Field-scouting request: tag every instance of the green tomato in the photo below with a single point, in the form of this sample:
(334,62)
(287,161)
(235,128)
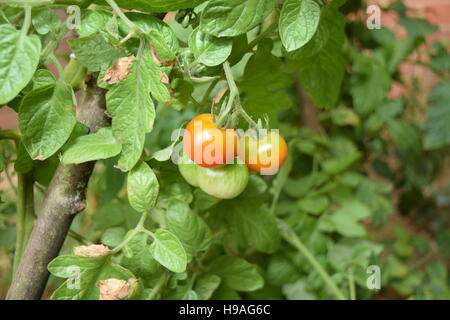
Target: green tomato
(188,170)
(224,182)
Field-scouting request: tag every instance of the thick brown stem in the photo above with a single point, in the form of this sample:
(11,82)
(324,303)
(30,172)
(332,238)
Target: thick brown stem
(65,196)
(307,108)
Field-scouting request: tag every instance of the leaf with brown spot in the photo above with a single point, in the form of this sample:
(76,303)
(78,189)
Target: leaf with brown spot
(92,251)
(119,70)
(115,289)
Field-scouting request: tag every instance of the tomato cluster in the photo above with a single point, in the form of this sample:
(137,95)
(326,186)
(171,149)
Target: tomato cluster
(209,157)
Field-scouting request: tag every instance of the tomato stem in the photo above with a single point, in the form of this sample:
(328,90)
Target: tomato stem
(291,237)
(133,28)
(26,22)
(233,100)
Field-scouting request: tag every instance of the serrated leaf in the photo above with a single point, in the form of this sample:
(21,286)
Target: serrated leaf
(93,51)
(93,21)
(168,251)
(209,50)
(20,57)
(100,145)
(189,228)
(230,18)
(237,273)
(142,187)
(132,110)
(46,119)
(298,23)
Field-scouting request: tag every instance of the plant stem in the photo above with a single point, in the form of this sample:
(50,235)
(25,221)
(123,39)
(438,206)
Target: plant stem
(133,29)
(64,198)
(159,285)
(25,214)
(290,236)
(208,91)
(351,284)
(53,44)
(10,135)
(26,22)
(139,228)
(261,36)
(58,66)
(78,237)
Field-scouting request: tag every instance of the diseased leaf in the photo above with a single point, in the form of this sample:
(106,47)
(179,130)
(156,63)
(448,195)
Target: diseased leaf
(142,187)
(82,274)
(100,145)
(298,23)
(209,50)
(168,251)
(230,18)
(93,51)
(19,59)
(132,110)
(46,119)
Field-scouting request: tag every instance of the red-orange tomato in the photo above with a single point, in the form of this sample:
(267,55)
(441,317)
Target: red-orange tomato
(264,155)
(207,145)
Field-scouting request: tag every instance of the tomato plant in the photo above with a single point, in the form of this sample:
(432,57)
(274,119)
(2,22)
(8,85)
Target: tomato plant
(101,187)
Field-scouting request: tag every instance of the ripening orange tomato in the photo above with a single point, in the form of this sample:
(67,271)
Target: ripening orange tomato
(264,154)
(208,145)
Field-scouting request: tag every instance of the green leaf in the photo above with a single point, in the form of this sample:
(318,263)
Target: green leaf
(93,21)
(230,18)
(251,223)
(83,273)
(297,291)
(100,145)
(370,80)
(265,82)
(141,262)
(346,219)
(321,61)
(437,126)
(45,20)
(46,119)
(2,162)
(237,273)
(205,285)
(158,5)
(20,57)
(314,204)
(209,50)
(142,187)
(298,23)
(93,51)
(43,77)
(132,110)
(112,237)
(162,37)
(189,228)
(168,251)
